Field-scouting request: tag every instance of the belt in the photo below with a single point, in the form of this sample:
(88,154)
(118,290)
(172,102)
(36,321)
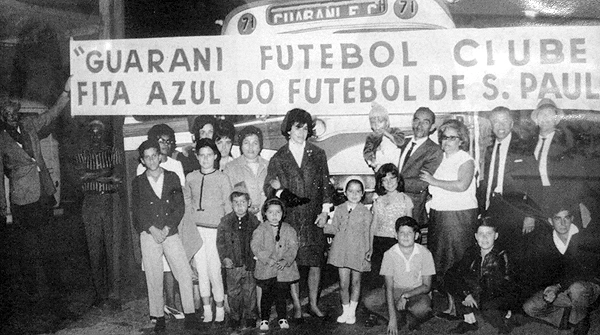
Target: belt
(101,192)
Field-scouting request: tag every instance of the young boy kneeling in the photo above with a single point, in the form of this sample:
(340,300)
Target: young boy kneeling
(481,280)
(234,235)
(408,269)
(158,208)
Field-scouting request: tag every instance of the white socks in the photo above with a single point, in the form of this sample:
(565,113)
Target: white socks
(342,318)
(470,318)
(348,313)
(208,316)
(351,319)
(220,314)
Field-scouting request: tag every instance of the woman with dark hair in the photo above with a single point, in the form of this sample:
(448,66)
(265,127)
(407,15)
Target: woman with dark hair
(298,175)
(453,204)
(224,135)
(250,168)
(203,127)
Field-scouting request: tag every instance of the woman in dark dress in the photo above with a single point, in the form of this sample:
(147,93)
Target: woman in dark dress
(298,174)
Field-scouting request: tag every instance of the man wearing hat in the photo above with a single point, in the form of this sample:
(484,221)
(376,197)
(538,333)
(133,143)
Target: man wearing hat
(560,170)
(31,187)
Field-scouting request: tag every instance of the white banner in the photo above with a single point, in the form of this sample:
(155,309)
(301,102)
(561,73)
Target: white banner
(446,70)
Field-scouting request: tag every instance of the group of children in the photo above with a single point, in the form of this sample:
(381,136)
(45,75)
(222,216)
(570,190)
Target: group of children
(262,254)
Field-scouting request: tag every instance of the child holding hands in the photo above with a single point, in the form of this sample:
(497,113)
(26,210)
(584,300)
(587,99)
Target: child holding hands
(351,246)
(275,245)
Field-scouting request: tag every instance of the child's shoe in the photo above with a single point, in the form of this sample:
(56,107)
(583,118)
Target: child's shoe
(344,317)
(351,316)
(220,314)
(208,315)
(283,324)
(264,325)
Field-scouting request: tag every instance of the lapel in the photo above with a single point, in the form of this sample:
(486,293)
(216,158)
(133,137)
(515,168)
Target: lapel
(290,157)
(416,155)
(19,156)
(148,188)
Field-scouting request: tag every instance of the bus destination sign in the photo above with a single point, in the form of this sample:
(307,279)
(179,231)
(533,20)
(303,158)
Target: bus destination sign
(323,10)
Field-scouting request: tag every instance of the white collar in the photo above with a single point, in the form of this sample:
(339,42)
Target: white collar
(562,247)
(504,140)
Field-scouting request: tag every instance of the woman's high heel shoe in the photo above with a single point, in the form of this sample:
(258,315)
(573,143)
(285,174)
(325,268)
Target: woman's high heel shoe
(172,312)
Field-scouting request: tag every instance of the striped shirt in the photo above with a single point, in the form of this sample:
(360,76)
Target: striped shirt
(94,161)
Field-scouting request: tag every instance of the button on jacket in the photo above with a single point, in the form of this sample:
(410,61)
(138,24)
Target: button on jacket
(150,210)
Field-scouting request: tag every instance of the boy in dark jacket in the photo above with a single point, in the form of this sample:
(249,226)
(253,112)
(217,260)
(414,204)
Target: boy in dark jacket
(562,275)
(158,207)
(233,243)
(482,280)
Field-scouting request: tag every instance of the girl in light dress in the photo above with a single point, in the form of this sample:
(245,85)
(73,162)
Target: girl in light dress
(351,247)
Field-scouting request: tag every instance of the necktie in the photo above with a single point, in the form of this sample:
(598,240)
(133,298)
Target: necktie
(412,145)
(539,153)
(496,168)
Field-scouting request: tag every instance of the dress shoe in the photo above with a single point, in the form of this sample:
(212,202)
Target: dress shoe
(283,324)
(172,312)
(464,327)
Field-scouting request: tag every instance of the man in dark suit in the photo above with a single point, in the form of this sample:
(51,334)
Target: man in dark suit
(561,172)
(31,187)
(420,154)
(502,194)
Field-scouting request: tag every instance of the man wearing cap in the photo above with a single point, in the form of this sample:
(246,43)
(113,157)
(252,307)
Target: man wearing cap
(419,154)
(31,187)
(561,273)
(560,171)
(100,168)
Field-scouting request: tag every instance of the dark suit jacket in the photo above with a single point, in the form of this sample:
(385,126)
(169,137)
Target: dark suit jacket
(311,180)
(426,157)
(566,172)
(150,210)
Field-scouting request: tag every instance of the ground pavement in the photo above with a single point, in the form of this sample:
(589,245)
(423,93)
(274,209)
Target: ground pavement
(72,313)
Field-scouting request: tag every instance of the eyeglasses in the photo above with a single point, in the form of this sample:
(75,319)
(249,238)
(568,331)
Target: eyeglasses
(163,141)
(449,138)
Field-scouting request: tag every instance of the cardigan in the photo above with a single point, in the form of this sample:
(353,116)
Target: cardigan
(150,210)
(265,248)
(239,171)
(213,190)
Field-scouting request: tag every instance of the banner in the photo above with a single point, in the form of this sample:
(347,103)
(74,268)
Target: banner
(452,70)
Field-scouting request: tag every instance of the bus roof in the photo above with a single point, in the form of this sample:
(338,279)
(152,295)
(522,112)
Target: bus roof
(269,17)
